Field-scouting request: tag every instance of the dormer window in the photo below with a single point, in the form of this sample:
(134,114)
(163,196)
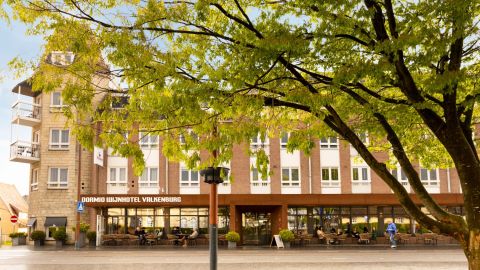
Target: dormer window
(61,58)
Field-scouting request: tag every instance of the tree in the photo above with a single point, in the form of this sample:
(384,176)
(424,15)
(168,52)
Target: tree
(403,71)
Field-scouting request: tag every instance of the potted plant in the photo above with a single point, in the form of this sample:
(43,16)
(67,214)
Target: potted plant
(92,238)
(287,236)
(18,238)
(232,238)
(38,238)
(60,235)
(83,231)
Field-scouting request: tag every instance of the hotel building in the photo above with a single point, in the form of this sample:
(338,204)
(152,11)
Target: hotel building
(328,188)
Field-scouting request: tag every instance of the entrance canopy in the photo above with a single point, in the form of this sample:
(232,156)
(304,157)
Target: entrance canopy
(56,221)
(31,222)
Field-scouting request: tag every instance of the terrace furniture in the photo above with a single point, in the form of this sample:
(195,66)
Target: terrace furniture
(364,238)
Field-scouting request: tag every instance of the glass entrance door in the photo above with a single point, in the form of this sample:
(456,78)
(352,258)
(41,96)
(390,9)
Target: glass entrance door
(256,228)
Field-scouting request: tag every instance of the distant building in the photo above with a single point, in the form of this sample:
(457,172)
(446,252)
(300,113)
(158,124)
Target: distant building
(12,203)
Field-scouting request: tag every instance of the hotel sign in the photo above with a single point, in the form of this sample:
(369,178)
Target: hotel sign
(93,200)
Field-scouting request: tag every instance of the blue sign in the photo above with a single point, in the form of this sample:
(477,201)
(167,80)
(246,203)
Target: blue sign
(80,207)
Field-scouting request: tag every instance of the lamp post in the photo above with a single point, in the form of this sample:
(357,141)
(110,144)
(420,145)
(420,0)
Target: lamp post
(213,176)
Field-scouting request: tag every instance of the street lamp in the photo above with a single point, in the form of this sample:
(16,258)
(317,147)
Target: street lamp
(213,176)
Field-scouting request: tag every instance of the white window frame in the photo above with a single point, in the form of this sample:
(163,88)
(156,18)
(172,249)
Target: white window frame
(191,133)
(256,179)
(287,178)
(147,179)
(330,182)
(34,181)
(259,142)
(148,141)
(189,181)
(363,174)
(400,175)
(285,136)
(52,105)
(57,183)
(59,145)
(117,180)
(329,143)
(429,181)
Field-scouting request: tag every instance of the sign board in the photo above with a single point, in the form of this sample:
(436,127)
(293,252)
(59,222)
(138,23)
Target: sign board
(14,219)
(277,241)
(98,156)
(80,207)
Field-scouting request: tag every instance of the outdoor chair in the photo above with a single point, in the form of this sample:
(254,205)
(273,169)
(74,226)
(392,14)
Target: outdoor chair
(364,238)
(341,238)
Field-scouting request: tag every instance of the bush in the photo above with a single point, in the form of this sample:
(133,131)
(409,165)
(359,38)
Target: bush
(232,236)
(60,234)
(83,227)
(38,235)
(92,236)
(17,234)
(286,235)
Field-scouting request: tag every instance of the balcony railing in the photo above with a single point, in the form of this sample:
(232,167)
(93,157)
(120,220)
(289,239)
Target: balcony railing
(27,152)
(26,113)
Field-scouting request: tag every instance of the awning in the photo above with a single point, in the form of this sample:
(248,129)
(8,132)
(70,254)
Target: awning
(56,221)
(31,222)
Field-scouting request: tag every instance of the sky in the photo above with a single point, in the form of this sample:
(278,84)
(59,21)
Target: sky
(13,43)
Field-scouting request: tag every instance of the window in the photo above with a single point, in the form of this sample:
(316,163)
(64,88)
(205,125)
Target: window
(330,177)
(190,136)
(59,139)
(258,179)
(330,142)
(56,100)
(284,140)
(364,138)
(117,177)
(148,140)
(149,177)
(58,178)
(360,174)
(189,178)
(34,182)
(119,101)
(290,177)
(399,174)
(259,141)
(429,177)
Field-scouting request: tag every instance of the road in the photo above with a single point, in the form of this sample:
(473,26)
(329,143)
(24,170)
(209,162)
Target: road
(26,258)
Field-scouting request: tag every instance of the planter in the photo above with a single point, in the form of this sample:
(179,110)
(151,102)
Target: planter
(81,239)
(59,243)
(232,244)
(92,243)
(18,241)
(38,243)
(286,244)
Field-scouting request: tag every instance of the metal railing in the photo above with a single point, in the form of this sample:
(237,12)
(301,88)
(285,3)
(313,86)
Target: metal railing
(25,150)
(25,109)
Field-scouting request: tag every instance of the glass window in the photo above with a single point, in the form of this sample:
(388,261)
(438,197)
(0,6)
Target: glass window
(58,178)
(59,139)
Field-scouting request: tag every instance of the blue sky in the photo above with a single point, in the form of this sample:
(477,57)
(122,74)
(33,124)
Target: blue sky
(13,43)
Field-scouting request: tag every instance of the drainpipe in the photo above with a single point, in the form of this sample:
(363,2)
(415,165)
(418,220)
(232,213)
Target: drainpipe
(166,175)
(310,173)
(448,180)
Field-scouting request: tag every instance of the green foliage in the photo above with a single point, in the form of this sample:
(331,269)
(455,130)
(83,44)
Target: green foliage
(83,227)
(60,234)
(232,236)
(286,235)
(92,236)
(38,235)
(17,234)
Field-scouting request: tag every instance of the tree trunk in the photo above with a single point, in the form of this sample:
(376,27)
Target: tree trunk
(472,251)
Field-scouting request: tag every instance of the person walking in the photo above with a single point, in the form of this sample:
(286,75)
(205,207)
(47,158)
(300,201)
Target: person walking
(391,230)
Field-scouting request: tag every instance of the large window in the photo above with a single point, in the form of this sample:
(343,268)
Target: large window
(148,140)
(58,177)
(56,100)
(259,141)
(290,177)
(429,177)
(117,177)
(360,174)
(330,177)
(257,179)
(189,178)
(400,175)
(34,182)
(149,177)
(59,139)
(284,140)
(330,142)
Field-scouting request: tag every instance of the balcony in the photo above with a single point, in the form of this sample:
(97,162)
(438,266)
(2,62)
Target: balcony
(25,152)
(25,113)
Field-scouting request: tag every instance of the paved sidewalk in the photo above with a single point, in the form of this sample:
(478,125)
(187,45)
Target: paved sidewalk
(27,258)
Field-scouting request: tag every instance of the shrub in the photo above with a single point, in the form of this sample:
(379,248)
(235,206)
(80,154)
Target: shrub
(92,236)
(232,236)
(83,227)
(17,234)
(286,235)
(38,235)
(60,234)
